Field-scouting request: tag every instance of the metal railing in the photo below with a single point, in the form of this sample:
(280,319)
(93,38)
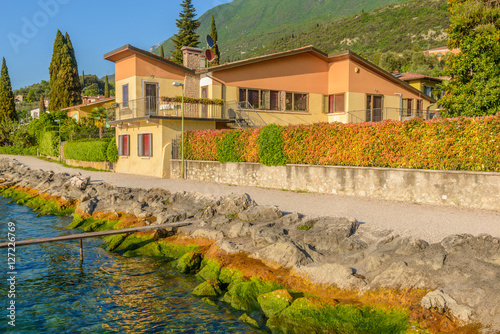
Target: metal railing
(244,114)
(382,114)
(154,106)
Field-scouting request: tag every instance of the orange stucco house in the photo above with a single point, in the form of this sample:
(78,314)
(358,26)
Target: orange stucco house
(301,86)
(79,111)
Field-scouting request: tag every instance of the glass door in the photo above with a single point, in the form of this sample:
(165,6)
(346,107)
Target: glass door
(150,99)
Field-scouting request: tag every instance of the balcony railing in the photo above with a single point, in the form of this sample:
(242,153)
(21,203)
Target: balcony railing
(382,114)
(154,106)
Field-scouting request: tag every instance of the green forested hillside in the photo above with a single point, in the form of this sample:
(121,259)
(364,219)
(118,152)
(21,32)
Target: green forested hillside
(254,27)
(252,23)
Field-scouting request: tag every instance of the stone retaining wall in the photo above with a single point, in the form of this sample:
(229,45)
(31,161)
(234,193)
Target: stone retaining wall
(101,165)
(458,188)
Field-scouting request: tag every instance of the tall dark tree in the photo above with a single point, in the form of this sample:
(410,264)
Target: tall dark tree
(65,88)
(187,26)
(162,53)
(41,105)
(83,79)
(7,103)
(106,87)
(215,49)
(474,89)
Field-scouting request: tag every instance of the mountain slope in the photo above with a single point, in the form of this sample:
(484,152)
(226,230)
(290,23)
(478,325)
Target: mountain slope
(252,20)
(249,28)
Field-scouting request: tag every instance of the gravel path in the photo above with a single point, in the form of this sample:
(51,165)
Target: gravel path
(431,223)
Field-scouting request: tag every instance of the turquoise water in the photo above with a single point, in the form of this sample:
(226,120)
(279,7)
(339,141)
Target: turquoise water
(54,293)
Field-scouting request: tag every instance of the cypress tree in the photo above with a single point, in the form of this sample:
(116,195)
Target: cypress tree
(162,53)
(7,103)
(187,26)
(41,105)
(215,49)
(83,80)
(106,87)
(65,89)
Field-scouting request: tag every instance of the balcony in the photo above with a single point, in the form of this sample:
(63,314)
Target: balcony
(382,114)
(154,106)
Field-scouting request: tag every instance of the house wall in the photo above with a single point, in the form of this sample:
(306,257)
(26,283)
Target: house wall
(302,73)
(158,164)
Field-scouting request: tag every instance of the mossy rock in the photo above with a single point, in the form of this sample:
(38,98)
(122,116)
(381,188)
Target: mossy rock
(113,241)
(133,242)
(312,316)
(44,207)
(210,302)
(244,294)
(207,289)
(187,263)
(274,302)
(230,276)
(210,271)
(162,249)
(249,320)
(77,221)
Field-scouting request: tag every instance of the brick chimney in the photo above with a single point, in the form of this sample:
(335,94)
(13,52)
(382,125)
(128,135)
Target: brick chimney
(191,57)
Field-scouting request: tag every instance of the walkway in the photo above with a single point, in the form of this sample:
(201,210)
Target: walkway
(431,223)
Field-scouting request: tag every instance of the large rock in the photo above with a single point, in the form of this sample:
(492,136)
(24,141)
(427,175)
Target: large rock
(332,274)
(260,213)
(88,206)
(286,254)
(327,233)
(441,301)
(234,204)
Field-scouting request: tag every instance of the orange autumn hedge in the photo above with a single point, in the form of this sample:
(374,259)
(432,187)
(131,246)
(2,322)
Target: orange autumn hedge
(451,144)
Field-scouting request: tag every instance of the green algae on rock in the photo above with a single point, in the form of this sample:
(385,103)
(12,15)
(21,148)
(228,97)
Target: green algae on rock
(187,263)
(307,315)
(249,320)
(44,207)
(207,289)
(274,302)
(243,295)
(210,271)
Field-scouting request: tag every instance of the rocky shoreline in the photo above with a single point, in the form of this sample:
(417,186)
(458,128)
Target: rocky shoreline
(444,286)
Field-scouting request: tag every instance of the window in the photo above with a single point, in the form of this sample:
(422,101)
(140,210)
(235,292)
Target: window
(125,95)
(124,145)
(144,144)
(274,100)
(428,90)
(336,103)
(374,108)
(420,104)
(253,98)
(296,101)
(407,107)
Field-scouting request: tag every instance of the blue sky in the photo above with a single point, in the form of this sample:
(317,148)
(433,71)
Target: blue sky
(28,29)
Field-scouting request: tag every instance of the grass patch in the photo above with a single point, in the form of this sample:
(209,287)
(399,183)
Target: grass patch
(304,227)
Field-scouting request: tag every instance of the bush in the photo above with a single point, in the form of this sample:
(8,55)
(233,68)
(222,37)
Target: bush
(446,144)
(49,143)
(87,150)
(229,147)
(271,146)
(18,151)
(112,151)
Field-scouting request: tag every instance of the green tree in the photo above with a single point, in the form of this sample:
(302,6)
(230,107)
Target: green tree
(162,53)
(99,115)
(475,86)
(106,87)
(30,96)
(65,89)
(187,26)
(215,49)
(7,103)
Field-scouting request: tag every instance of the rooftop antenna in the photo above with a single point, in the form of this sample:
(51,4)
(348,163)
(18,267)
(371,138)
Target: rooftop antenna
(209,54)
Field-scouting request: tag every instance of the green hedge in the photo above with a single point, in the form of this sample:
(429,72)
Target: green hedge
(447,144)
(87,150)
(49,143)
(17,150)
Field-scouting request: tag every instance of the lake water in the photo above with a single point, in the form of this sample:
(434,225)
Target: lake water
(54,293)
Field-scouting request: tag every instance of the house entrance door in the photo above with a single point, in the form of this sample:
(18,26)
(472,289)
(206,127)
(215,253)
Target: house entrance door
(204,107)
(150,99)
(377,108)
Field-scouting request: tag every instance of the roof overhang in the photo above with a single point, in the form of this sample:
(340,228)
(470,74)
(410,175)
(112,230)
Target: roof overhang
(129,50)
